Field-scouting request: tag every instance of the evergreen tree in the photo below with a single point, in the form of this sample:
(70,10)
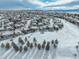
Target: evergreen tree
(21,41)
(47,47)
(43,46)
(78,43)
(77,47)
(7,45)
(34,39)
(20,48)
(75,55)
(28,43)
(31,45)
(25,39)
(52,41)
(55,46)
(2,45)
(56,41)
(39,46)
(15,46)
(35,44)
(25,48)
(48,43)
(44,42)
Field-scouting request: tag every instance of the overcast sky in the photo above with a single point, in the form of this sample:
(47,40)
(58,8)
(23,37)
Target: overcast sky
(40,4)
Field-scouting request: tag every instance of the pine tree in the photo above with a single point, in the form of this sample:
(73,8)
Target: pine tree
(35,44)
(21,41)
(43,46)
(48,43)
(25,39)
(20,48)
(77,47)
(56,41)
(15,46)
(55,46)
(39,46)
(44,42)
(75,55)
(7,45)
(28,43)
(31,45)
(2,45)
(52,41)
(78,43)
(34,39)
(47,47)
(25,48)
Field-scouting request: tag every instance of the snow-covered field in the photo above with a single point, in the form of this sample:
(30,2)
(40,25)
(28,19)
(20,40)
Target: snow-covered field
(68,38)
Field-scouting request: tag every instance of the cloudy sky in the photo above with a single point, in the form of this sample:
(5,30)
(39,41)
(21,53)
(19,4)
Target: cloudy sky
(40,4)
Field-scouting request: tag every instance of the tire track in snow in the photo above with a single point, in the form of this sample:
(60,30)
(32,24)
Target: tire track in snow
(41,53)
(33,55)
(15,55)
(7,53)
(28,57)
(11,54)
(2,51)
(26,54)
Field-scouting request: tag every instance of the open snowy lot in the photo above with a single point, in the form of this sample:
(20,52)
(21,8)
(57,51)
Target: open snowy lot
(66,48)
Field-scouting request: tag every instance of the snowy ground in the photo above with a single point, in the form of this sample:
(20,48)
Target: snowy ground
(68,38)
